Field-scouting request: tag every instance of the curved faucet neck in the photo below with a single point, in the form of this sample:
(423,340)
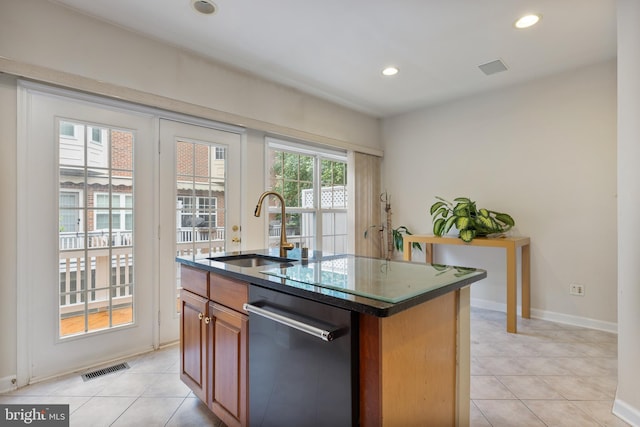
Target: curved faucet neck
(284,245)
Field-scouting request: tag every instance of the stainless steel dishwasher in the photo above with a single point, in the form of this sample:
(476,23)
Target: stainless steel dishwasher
(303,362)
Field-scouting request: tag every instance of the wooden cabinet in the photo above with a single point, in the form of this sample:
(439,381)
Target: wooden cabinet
(193,342)
(229,371)
(214,342)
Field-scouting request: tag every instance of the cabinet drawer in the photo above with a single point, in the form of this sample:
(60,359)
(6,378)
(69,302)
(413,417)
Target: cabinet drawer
(229,292)
(194,280)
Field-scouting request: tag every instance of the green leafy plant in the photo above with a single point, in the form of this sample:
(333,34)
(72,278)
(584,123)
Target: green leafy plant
(397,235)
(470,221)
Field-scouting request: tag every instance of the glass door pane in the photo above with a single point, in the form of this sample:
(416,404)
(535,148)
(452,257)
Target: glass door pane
(96,202)
(200,195)
(199,204)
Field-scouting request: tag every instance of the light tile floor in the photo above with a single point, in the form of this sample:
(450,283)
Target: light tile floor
(548,374)
(148,394)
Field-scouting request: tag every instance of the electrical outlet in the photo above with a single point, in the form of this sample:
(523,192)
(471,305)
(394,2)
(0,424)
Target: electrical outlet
(576,289)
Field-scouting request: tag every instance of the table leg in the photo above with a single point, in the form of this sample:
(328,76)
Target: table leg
(512,294)
(526,282)
(406,251)
(428,253)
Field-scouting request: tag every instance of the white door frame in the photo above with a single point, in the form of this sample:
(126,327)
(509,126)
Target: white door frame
(172,130)
(47,354)
(24,257)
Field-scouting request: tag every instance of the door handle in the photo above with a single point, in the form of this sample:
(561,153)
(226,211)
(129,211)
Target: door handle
(292,323)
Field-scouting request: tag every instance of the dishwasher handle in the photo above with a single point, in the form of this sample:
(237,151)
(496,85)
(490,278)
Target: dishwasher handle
(292,323)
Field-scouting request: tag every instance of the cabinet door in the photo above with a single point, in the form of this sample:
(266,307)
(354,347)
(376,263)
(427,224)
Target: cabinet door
(229,379)
(193,342)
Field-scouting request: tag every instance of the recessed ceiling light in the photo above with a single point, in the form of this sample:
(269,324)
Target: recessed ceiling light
(527,21)
(390,71)
(206,7)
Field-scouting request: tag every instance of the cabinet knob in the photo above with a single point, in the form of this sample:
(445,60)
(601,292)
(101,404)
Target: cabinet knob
(207,320)
(200,316)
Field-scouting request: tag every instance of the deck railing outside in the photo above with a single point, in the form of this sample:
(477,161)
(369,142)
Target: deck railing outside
(72,265)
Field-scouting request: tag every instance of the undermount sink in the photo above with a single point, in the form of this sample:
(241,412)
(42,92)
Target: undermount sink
(253,260)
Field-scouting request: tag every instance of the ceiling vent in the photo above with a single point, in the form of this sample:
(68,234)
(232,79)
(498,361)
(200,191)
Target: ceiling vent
(493,67)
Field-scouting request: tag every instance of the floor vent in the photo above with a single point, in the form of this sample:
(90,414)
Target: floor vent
(104,371)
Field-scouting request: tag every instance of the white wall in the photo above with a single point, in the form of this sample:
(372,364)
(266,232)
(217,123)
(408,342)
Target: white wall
(545,152)
(627,404)
(43,34)
(8,237)
(50,43)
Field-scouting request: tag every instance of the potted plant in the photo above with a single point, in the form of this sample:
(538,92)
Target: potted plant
(395,239)
(396,236)
(470,221)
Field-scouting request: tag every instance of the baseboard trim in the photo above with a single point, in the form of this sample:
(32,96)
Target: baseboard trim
(626,412)
(551,316)
(8,384)
(91,366)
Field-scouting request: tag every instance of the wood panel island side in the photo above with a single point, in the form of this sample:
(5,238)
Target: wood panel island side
(410,334)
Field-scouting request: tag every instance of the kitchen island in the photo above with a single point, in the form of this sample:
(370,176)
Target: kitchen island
(404,329)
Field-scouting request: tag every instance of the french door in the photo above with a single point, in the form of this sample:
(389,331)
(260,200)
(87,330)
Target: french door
(103,211)
(199,204)
(87,249)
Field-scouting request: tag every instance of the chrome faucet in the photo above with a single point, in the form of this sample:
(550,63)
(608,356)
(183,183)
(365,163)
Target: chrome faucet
(284,245)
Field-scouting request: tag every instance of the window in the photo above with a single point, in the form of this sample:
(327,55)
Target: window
(313,183)
(69,214)
(120,219)
(202,213)
(95,199)
(67,129)
(200,202)
(96,135)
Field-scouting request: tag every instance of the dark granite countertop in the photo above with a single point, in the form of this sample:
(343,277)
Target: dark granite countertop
(365,285)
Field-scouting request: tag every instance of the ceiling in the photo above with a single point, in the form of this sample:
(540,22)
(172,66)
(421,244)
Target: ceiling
(336,49)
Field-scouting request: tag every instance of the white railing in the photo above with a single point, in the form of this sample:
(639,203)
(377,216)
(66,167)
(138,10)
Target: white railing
(96,280)
(100,239)
(199,250)
(95,239)
(274,230)
(189,234)
(73,264)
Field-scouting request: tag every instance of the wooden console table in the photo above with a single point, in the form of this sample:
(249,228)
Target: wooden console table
(510,244)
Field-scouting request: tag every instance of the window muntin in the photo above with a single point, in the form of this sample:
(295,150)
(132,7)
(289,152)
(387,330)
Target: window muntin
(314,185)
(202,213)
(96,202)
(200,199)
(121,219)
